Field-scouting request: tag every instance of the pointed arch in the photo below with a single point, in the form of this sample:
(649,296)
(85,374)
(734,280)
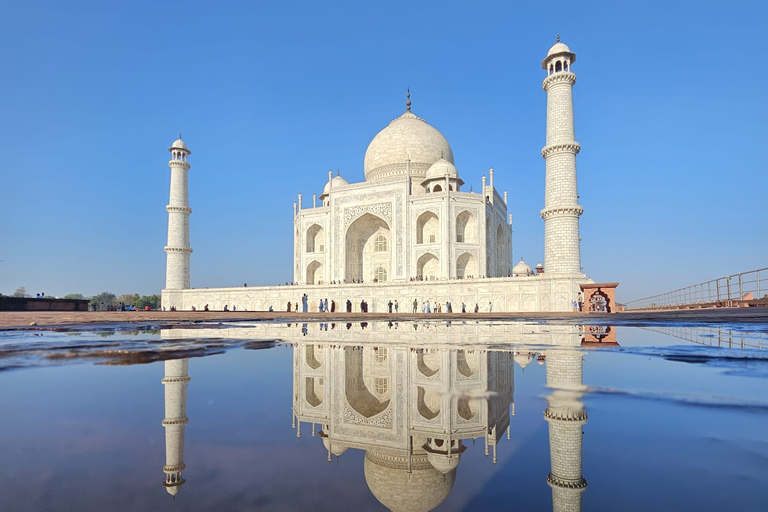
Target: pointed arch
(466,228)
(428,266)
(466,266)
(368,248)
(428,228)
(315,272)
(315,238)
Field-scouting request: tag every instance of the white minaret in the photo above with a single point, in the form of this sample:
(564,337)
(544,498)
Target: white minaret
(562,252)
(566,417)
(178,250)
(175,382)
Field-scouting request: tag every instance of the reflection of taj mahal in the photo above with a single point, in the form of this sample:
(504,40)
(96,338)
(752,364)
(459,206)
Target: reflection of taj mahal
(412,219)
(410,399)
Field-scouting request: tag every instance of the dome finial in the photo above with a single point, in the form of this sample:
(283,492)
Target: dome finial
(408,100)
(558,38)
(337,171)
(179,135)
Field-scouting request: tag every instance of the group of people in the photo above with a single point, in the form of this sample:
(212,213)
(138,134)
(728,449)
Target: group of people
(436,307)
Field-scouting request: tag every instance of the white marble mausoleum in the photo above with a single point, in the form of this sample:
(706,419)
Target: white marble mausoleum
(410,230)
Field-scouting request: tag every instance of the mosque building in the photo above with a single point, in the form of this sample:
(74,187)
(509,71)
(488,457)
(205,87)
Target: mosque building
(411,230)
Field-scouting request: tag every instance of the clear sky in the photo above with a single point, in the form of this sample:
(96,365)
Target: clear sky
(670,109)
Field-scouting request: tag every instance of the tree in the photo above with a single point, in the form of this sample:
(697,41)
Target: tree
(74,296)
(20,292)
(103,300)
(128,298)
(153,301)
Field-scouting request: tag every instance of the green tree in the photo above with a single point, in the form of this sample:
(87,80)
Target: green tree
(128,298)
(153,301)
(21,291)
(74,296)
(103,300)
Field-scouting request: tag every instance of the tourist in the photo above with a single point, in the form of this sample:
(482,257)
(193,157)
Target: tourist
(397,307)
(477,308)
(333,306)
(295,307)
(362,306)
(304,303)
(490,306)
(429,307)
(226,308)
(434,307)
(349,306)
(415,305)
(390,304)
(325,305)
(146,308)
(270,308)
(234,307)
(448,307)
(245,285)
(439,308)
(288,308)
(463,307)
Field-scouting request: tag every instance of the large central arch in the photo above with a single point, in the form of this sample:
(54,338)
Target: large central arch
(368,246)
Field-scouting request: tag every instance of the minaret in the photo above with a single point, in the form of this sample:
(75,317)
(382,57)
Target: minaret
(566,417)
(562,252)
(178,250)
(175,422)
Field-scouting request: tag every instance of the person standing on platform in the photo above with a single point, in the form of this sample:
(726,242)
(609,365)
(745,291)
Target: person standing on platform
(490,306)
(389,304)
(415,305)
(477,308)
(397,308)
(304,303)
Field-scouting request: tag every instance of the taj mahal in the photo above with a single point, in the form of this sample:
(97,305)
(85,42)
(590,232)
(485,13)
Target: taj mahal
(410,230)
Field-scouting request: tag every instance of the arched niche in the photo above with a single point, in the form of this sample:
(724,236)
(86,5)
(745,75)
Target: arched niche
(315,238)
(428,364)
(428,266)
(315,390)
(315,273)
(466,363)
(467,407)
(466,228)
(428,402)
(315,356)
(428,228)
(368,246)
(366,391)
(500,251)
(466,266)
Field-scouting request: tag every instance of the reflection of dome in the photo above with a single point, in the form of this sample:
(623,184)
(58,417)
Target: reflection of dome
(422,490)
(336,449)
(407,136)
(521,268)
(173,489)
(440,169)
(524,359)
(336,183)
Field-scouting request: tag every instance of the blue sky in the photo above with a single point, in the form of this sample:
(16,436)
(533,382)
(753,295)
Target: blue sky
(670,112)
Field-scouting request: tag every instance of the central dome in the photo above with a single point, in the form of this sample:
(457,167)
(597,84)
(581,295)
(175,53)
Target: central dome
(407,136)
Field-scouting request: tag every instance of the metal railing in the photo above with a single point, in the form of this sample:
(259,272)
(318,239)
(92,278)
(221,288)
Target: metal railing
(716,336)
(721,292)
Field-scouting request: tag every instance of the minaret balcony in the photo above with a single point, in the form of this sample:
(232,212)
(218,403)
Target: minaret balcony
(178,209)
(568,147)
(559,78)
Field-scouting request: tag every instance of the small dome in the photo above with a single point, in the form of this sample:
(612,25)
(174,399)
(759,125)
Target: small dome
(558,47)
(336,182)
(521,268)
(539,265)
(179,144)
(524,359)
(406,137)
(439,169)
(336,448)
(443,462)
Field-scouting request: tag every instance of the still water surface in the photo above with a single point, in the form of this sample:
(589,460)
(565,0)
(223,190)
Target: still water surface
(406,417)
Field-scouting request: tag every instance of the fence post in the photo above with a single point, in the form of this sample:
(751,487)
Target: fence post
(741,289)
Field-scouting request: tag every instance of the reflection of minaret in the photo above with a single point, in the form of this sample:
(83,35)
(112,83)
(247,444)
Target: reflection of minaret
(566,416)
(175,422)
